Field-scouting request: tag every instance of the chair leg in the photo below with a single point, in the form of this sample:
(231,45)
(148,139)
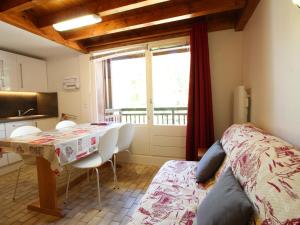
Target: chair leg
(113,166)
(17,182)
(115,162)
(88,175)
(92,175)
(68,184)
(98,187)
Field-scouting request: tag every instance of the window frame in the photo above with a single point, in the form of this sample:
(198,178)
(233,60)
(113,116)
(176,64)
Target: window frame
(152,45)
(149,85)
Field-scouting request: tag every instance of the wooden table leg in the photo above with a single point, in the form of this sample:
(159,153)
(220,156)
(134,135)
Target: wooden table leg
(47,190)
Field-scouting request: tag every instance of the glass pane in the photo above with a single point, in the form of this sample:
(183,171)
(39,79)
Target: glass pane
(128,84)
(170,74)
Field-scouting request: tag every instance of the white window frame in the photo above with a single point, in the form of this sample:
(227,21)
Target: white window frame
(148,57)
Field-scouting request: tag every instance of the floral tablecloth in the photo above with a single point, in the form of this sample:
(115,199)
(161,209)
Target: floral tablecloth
(59,147)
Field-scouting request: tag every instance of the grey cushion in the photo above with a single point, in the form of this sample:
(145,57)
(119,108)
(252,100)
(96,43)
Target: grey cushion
(225,204)
(210,162)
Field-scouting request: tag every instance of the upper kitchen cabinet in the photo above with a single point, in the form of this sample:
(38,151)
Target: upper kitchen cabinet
(22,73)
(33,74)
(10,79)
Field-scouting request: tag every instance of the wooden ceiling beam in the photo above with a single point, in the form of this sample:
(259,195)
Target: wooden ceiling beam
(73,12)
(160,32)
(154,16)
(134,37)
(15,5)
(24,23)
(137,41)
(7,6)
(246,14)
(114,7)
(101,7)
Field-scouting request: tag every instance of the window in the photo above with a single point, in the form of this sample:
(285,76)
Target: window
(148,86)
(128,88)
(170,81)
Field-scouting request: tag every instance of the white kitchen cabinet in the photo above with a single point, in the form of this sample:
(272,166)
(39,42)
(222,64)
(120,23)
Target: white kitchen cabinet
(10,79)
(2,133)
(13,158)
(46,124)
(3,160)
(5,131)
(9,127)
(2,127)
(33,74)
(3,157)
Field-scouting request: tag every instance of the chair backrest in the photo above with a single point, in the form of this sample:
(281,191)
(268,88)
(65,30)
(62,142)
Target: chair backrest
(108,144)
(24,130)
(65,124)
(126,133)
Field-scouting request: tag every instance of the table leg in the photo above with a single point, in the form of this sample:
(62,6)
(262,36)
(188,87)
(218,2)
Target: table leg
(47,190)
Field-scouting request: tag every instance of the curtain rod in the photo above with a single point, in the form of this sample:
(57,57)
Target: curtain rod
(170,47)
(117,53)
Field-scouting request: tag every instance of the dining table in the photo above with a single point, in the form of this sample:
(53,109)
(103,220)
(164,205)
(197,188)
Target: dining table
(54,150)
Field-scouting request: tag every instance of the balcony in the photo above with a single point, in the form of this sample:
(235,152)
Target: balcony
(161,115)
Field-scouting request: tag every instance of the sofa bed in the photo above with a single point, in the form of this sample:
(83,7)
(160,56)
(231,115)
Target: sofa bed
(266,167)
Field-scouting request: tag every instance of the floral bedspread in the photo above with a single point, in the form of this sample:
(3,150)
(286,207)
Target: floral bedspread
(268,169)
(172,197)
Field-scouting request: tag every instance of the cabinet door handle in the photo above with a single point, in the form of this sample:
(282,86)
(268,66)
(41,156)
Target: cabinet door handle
(21,75)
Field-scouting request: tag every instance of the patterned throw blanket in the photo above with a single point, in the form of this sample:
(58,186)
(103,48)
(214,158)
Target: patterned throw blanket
(267,167)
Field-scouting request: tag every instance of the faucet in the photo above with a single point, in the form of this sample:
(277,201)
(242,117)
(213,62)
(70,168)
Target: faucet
(24,113)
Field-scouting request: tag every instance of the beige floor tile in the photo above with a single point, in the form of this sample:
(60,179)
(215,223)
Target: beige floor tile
(82,208)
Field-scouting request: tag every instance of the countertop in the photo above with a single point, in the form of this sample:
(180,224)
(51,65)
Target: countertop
(21,118)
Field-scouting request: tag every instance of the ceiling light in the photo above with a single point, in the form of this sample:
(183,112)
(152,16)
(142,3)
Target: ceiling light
(77,22)
(296,2)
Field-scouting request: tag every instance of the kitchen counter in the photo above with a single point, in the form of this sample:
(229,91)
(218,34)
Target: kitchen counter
(22,118)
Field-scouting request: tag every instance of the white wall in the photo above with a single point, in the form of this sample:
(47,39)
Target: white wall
(72,102)
(225,49)
(271,67)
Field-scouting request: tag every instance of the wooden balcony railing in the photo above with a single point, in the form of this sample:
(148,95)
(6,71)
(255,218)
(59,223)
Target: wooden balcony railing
(161,115)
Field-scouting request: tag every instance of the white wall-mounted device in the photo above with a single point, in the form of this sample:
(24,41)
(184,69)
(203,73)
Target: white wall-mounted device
(71,83)
(241,105)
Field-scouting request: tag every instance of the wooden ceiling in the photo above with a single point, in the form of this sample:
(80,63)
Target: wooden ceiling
(124,22)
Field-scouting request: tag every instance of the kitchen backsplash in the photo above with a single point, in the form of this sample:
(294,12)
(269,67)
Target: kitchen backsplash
(42,103)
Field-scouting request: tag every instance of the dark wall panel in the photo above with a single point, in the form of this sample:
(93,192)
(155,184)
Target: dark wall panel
(47,104)
(11,102)
(42,103)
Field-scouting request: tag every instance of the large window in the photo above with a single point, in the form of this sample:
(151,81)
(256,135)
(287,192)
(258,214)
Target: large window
(149,87)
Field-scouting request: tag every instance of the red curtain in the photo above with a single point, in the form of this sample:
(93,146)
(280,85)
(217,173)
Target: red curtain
(200,126)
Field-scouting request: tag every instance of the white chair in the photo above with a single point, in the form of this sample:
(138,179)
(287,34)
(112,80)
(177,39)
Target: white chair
(65,124)
(106,148)
(27,160)
(126,134)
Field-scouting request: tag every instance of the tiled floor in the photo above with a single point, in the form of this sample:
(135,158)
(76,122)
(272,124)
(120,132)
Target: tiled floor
(118,205)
